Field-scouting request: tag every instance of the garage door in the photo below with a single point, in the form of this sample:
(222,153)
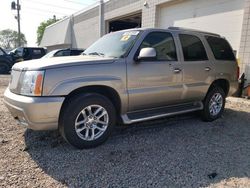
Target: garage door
(224,17)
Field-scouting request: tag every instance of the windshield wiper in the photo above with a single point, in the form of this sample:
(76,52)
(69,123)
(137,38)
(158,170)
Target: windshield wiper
(96,53)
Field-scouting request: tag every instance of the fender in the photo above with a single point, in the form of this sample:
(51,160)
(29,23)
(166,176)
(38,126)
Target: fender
(65,87)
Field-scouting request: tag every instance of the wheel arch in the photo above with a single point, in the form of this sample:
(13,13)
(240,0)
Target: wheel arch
(222,83)
(106,91)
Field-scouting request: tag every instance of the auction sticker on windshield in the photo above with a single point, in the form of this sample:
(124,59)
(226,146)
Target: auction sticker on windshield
(126,36)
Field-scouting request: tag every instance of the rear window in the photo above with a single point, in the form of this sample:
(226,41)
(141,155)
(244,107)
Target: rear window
(220,48)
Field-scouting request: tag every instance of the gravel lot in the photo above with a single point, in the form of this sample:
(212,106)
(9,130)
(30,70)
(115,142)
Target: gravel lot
(181,151)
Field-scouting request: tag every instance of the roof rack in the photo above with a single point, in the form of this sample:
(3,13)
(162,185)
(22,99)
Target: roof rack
(194,30)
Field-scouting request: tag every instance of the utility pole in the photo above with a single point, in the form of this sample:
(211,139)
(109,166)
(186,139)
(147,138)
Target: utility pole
(18,22)
(17,6)
(101,18)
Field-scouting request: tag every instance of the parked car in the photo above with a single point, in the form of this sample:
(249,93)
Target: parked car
(6,62)
(126,76)
(27,53)
(63,52)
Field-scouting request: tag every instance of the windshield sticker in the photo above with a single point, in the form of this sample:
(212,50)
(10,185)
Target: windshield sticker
(125,38)
(131,33)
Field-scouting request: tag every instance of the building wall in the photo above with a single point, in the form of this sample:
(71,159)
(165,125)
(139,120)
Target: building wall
(216,16)
(60,46)
(85,33)
(245,42)
(213,15)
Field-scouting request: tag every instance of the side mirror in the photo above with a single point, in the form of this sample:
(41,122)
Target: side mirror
(147,54)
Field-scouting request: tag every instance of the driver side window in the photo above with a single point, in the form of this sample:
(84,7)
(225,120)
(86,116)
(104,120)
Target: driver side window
(163,43)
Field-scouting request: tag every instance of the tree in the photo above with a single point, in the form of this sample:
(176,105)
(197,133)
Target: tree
(9,39)
(42,27)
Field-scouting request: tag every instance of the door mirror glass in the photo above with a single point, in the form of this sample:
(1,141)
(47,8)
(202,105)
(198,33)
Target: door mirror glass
(147,54)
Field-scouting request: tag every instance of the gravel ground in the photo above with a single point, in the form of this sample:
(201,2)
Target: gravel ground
(181,151)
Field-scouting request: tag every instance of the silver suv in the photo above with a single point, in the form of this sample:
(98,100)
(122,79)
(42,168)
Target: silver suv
(127,76)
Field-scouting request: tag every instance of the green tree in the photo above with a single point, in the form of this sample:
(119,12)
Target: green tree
(9,39)
(42,27)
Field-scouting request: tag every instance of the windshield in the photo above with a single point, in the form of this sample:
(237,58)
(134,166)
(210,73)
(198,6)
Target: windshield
(114,45)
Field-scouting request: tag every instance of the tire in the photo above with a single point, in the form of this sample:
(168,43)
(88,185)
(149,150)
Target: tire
(4,68)
(214,104)
(77,124)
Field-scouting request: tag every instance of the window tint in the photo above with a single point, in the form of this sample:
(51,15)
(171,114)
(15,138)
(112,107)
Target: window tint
(192,47)
(221,48)
(63,53)
(76,52)
(163,44)
(37,52)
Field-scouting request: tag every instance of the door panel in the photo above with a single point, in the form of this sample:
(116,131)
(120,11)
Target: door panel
(196,67)
(155,83)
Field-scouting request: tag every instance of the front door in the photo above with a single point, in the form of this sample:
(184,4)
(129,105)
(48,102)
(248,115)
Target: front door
(158,82)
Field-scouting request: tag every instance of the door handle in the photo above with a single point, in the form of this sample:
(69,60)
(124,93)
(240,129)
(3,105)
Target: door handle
(207,69)
(177,70)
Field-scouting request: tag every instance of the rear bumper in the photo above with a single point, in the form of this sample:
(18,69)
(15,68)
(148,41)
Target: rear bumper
(234,86)
(37,113)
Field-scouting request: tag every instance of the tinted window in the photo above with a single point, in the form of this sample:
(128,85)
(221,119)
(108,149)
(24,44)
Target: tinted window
(163,44)
(63,53)
(37,51)
(192,47)
(76,52)
(221,48)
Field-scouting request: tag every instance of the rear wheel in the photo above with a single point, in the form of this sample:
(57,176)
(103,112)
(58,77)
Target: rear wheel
(214,104)
(87,121)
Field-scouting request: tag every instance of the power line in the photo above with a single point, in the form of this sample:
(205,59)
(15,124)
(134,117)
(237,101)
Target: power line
(52,5)
(39,13)
(42,10)
(76,2)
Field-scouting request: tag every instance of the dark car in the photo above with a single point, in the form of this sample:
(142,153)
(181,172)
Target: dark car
(27,53)
(6,62)
(63,52)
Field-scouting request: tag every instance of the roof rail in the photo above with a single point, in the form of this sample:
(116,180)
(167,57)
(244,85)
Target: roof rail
(194,30)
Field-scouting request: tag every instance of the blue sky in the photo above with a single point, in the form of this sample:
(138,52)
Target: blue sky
(33,12)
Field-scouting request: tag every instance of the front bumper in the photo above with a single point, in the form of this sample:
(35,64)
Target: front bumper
(37,113)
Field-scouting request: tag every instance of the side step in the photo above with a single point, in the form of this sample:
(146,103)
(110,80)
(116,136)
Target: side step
(138,116)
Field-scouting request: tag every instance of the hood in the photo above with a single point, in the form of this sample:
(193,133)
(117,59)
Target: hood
(56,62)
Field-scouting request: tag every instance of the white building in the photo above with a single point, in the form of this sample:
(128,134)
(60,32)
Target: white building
(229,18)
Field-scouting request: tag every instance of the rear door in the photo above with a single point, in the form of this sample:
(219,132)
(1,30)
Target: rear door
(196,67)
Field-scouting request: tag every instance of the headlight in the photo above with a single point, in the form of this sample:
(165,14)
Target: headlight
(32,83)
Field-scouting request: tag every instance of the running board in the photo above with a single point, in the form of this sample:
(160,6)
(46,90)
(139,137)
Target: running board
(138,116)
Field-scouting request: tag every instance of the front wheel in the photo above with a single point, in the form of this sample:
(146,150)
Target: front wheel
(87,121)
(214,104)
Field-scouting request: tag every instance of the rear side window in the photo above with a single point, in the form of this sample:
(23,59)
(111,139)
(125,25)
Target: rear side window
(76,52)
(220,48)
(37,51)
(192,47)
(62,53)
(163,43)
